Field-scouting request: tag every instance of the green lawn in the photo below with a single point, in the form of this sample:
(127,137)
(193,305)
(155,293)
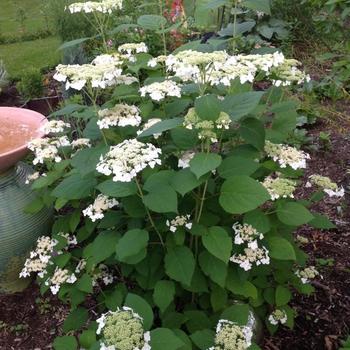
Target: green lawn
(30,54)
(35,19)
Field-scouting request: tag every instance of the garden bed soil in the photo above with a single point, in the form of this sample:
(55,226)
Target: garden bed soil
(323,319)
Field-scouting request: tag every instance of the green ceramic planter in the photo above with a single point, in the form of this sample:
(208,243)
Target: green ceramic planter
(18,230)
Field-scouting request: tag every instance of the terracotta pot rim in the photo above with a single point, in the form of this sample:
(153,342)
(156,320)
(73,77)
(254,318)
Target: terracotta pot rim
(32,114)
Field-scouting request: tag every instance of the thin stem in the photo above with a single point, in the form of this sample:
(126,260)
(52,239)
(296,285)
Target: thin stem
(234,27)
(149,214)
(162,27)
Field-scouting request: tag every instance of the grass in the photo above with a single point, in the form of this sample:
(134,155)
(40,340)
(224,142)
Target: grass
(39,54)
(9,16)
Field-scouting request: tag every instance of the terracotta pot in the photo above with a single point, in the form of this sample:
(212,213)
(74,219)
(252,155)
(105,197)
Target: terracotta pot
(18,230)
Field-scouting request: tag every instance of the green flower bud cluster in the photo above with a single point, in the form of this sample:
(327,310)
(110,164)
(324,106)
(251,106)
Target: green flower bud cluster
(279,187)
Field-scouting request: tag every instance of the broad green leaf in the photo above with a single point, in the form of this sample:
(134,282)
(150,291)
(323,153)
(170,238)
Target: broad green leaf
(67,110)
(151,22)
(283,295)
(203,163)
(71,43)
(281,249)
(75,320)
(258,5)
(183,138)
(203,338)
(213,268)
(293,214)
(75,187)
(240,105)
(241,194)
(87,338)
(180,264)
(241,28)
(117,189)
(115,298)
(163,177)
(163,295)
(104,246)
(162,126)
(184,181)
(164,338)
(161,199)
(196,320)
(239,286)
(235,165)
(141,307)
(253,132)
(65,343)
(86,160)
(258,219)
(207,107)
(131,244)
(321,222)
(236,313)
(218,298)
(218,243)
(85,283)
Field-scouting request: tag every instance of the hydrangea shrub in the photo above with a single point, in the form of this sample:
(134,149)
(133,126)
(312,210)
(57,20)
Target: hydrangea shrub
(175,200)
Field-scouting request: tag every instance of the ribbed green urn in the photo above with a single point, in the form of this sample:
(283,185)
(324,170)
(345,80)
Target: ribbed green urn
(18,229)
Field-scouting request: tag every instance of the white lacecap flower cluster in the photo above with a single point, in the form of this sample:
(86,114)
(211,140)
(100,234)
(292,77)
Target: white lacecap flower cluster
(103,274)
(252,254)
(122,330)
(179,221)
(104,6)
(130,49)
(59,277)
(230,336)
(279,187)
(278,316)
(47,149)
(185,158)
(326,184)
(120,115)
(157,60)
(101,204)
(218,67)
(307,274)
(104,71)
(39,258)
(125,160)
(159,90)
(55,127)
(285,155)
(81,143)
(148,124)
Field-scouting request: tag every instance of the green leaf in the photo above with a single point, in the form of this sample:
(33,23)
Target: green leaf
(131,244)
(84,283)
(240,105)
(163,338)
(258,5)
(283,295)
(253,132)
(71,43)
(141,307)
(236,313)
(235,165)
(87,338)
(213,267)
(75,320)
(180,264)
(65,343)
(281,249)
(151,22)
(183,138)
(75,187)
(161,199)
(163,295)
(293,214)
(203,339)
(117,189)
(161,177)
(218,243)
(207,107)
(237,285)
(218,298)
(184,181)
(115,298)
(202,163)
(86,160)
(258,219)
(162,126)
(321,222)
(104,246)
(241,194)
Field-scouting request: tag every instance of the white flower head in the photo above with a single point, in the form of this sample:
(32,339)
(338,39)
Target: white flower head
(55,127)
(185,158)
(103,6)
(279,187)
(125,160)
(120,115)
(101,204)
(179,221)
(278,316)
(148,124)
(159,91)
